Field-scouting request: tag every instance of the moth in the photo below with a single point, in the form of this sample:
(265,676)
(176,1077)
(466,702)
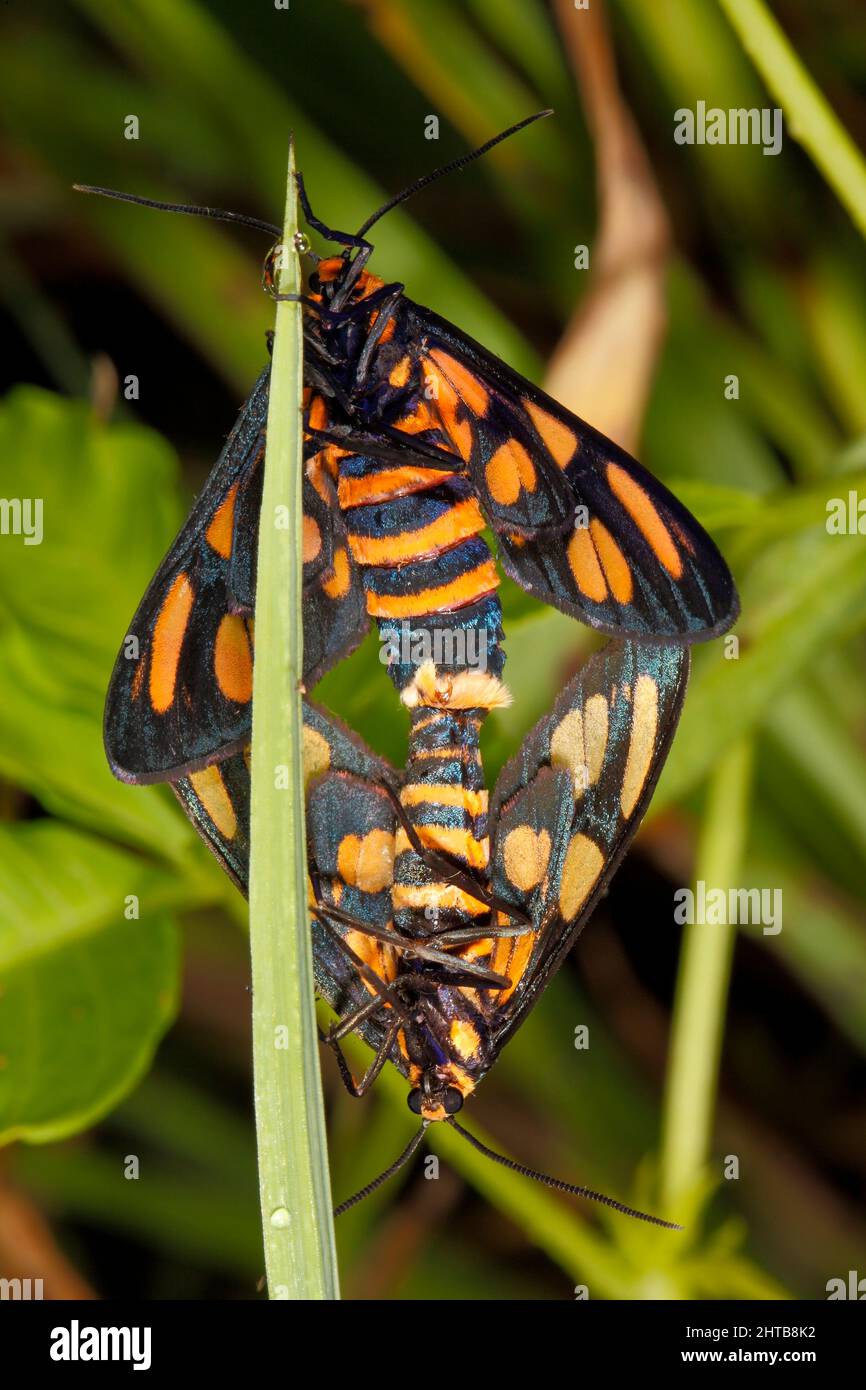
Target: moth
(439,918)
(417,441)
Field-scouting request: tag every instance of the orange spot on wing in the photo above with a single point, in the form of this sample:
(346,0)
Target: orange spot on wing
(312,539)
(453,407)
(526,854)
(168,635)
(559,439)
(614,563)
(421,418)
(233,659)
(318,414)
(219,534)
(138,679)
(510,958)
(317,473)
(645,517)
(581,868)
(471,391)
(400,372)
(585,566)
(338,585)
(378,955)
(509,470)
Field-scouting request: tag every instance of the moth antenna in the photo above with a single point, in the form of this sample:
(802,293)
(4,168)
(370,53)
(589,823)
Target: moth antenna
(558,1184)
(383,1177)
(215,214)
(451,168)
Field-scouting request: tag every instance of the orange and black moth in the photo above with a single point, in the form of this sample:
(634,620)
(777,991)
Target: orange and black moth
(417,441)
(438,919)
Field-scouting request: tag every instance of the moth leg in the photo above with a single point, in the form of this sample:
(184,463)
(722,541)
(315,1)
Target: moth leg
(386,314)
(450,869)
(390,445)
(360,1088)
(418,946)
(318,377)
(376,983)
(344,1026)
(454,978)
(343,238)
(461,936)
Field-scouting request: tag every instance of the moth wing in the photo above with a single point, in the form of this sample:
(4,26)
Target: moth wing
(566,808)
(580,524)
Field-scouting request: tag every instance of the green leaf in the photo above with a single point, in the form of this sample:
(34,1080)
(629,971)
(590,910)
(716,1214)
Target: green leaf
(85,994)
(109,507)
(809,590)
(55,753)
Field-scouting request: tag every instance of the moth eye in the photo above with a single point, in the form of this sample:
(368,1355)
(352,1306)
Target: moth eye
(452,1101)
(415,1101)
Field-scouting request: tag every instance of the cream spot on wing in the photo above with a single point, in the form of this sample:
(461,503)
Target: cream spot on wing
(367,861)
(317,753)
(644,726)
(211,790)
(595,720)
(526,855)
(567,749)
(584,862)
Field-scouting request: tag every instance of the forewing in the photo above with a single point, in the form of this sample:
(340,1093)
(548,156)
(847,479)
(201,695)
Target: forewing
(182,684)
(181,691)
(580,524)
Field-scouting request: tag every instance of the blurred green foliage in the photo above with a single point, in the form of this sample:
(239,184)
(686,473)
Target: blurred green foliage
(767,281)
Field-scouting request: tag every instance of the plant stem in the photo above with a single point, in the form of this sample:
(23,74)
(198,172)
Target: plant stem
(702,989)
(294,1183)
(811,120)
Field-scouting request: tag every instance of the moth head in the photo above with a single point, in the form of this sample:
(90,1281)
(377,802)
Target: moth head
(436,1104)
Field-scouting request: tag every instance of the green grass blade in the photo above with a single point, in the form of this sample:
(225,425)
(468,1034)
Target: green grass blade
(294,1184)
(809,116)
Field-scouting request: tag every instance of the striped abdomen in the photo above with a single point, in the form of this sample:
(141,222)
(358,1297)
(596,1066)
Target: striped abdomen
(446,801)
